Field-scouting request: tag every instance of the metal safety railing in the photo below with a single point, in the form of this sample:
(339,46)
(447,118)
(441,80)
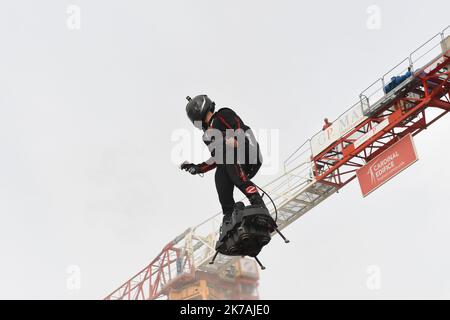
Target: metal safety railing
(430,49)
(375,94)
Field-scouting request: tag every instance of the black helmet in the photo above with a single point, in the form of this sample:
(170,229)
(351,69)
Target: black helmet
(197,108)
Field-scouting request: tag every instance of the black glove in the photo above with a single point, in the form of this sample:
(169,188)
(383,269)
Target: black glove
(191,168)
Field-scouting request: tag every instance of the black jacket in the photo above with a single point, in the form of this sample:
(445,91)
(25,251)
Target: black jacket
(231,126)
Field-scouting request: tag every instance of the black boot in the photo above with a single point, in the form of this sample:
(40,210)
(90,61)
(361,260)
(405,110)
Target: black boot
(226,218)
(256,200)
(239,206)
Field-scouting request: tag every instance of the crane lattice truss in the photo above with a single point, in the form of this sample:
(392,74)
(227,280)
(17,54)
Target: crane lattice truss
(311,177)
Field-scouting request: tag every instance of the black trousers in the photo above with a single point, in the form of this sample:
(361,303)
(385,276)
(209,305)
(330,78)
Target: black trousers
(229,176)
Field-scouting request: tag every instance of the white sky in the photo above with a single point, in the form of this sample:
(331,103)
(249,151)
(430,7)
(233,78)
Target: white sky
(86,118)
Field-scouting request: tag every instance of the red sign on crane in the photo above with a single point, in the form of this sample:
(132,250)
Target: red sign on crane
(387,164)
